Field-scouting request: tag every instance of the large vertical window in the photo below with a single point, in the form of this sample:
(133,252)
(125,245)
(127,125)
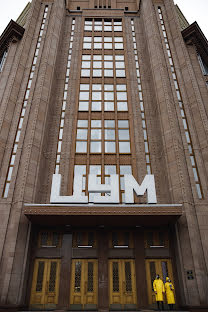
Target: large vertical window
(103,127)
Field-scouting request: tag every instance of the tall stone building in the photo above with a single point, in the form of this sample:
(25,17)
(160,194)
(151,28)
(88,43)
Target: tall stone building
(104,156)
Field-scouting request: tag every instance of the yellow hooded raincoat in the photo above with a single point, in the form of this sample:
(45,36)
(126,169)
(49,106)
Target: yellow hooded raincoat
(159,289)
(169,292)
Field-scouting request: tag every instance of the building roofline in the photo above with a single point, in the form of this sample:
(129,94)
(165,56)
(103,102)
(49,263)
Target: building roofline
(193,34)
(13,31)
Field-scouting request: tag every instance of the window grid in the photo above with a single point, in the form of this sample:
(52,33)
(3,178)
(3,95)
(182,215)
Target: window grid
(182,110)
(105,25)
(63,108)
(3,60)
(103,176)
(103,66)
(141,101)
(103,97)
(99,42)
(24,106)
(114,136)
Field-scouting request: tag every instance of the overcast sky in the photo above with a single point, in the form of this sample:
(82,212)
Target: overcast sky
(192,9)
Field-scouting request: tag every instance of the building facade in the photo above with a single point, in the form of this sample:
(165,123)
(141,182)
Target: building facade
(104,156)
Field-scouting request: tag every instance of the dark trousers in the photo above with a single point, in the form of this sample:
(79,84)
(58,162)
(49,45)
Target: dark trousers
(158,305)
(170,307)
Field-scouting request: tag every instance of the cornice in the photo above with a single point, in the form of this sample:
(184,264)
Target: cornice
(12,32)
(194,35)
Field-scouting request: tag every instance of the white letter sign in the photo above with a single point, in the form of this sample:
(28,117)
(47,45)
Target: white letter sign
(111,190)
(77,196)
(131,186)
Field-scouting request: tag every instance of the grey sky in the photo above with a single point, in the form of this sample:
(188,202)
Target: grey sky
(192,9)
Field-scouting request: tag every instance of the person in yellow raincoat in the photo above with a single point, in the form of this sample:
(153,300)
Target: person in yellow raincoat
(159,289)
(169,293)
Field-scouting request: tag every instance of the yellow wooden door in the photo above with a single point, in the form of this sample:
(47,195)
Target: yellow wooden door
(84,284)
(163,267)
(122,290)
(45,284)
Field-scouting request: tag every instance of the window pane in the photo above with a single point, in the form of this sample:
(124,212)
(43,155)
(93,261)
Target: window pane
(83,106)
(95,147)
(108,64)
(82,134)
(95,169)
(81,147)
(97,72)
(96,123)
(96,95)
(98,28)
(97,57)
(108,73)
(120,73)
(97,45)
(84,87)
(82,123)
(96,106)
(109,134)
(124,147)
(108,57)
(110,147)
(121,96)
(97,39)
(125,169)
(108,87)
(120,65)
(110,169)
(85,64)
(109,106)
(85,72)
(87,39)
(107,45)
(79,169)
(121,87)
(122,106)
(123,123)
(118,46)
(109,96)
(123,134)
(97,64)
(96,87)
(119,57)
(109,123)
(86,45)
(84,95)
(95,134)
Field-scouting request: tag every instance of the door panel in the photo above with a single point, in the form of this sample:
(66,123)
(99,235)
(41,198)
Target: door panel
(122,284)
(45,284)
(163,267)
(84,284)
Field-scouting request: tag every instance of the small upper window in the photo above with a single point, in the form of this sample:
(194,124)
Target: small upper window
(203,66)
(2,60)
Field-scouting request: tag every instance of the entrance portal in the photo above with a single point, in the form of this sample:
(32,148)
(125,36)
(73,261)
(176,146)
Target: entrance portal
(45,285)
(84,284)
(122,281)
